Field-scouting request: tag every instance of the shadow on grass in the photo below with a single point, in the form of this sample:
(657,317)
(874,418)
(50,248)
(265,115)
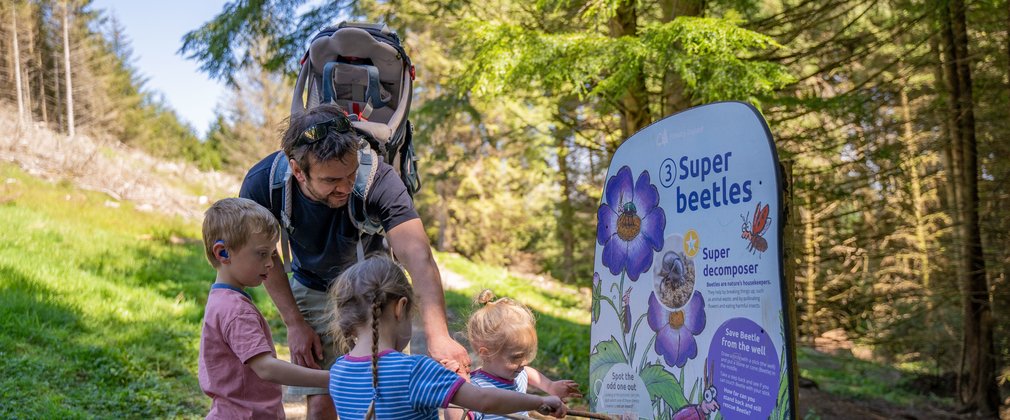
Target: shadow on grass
(59,363)
(28,310)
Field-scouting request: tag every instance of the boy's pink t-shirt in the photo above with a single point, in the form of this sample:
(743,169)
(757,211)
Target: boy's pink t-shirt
(234,331)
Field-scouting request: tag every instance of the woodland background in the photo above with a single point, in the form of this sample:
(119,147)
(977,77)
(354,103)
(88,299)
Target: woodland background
(891,116)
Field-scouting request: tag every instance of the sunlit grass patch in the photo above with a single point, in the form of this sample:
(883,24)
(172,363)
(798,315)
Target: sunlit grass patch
(98,316)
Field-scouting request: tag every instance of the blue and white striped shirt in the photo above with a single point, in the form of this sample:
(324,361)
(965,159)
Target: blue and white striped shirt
(410,386)
(484,379)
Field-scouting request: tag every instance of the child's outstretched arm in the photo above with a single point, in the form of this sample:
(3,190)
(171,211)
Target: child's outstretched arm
(503,401)
(269,368)
(563,388)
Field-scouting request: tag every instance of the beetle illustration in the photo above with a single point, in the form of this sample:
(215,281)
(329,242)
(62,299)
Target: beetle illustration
(753,230)
(708,404)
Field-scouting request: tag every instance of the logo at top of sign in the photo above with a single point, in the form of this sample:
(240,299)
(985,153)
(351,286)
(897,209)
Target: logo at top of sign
(691,243)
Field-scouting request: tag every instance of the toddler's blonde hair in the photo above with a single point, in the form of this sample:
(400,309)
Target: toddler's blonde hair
(501,325)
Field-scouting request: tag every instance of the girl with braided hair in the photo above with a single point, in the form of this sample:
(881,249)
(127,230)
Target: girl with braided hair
(372,302)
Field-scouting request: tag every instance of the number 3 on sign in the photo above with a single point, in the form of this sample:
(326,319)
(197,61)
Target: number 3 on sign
(667,173)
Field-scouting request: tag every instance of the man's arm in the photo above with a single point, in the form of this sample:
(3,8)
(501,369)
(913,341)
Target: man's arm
(302,339)
(411,247)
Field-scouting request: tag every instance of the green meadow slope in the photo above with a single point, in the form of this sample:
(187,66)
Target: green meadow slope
(100,306)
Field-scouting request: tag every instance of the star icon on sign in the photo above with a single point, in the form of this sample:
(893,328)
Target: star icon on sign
(691,243)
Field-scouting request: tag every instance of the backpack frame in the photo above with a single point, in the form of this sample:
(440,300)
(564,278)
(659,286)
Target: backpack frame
(363,68)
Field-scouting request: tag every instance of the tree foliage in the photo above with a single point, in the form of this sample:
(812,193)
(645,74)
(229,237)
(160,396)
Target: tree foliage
(108,92)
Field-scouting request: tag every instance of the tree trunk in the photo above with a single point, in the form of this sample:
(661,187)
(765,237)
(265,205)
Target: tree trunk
(675,97)
(66,66)
(918,204)
(810,272)
(56,88)
(29,106)
(17,66)
(634,106)
(977,386)
(566,223)
(42,89)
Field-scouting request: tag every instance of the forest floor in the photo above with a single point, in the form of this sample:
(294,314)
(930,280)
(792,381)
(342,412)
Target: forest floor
(814,403)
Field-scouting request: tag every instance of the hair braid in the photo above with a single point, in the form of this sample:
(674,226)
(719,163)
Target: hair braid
(376,312)
(359,293)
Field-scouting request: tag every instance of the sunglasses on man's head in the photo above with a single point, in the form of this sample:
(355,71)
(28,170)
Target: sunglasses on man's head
(318,131)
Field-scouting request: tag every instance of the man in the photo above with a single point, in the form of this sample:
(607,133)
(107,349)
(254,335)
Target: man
(323,157)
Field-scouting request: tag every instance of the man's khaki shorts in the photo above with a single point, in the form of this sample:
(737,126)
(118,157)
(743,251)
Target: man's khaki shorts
(314,306)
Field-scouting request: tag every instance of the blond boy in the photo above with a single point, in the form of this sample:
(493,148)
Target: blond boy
(238,367)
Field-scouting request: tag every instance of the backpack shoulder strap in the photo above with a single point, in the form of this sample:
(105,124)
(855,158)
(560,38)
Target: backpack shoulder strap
(368,165)
(280,203)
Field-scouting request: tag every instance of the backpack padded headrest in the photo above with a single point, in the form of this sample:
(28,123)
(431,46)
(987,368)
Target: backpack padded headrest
(354,42)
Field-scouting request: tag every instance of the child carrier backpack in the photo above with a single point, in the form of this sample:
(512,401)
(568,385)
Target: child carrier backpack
(362,68)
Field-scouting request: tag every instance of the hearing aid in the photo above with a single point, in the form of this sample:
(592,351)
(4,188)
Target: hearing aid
(224,252)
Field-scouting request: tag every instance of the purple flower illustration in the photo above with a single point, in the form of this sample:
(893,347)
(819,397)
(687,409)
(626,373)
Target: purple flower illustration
(675,330)
(631,223)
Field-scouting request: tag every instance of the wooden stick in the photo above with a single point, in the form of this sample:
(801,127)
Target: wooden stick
(574,413)
(588,415)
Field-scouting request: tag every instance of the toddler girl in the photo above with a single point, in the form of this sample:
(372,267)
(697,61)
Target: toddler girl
(372,301)
(504,334)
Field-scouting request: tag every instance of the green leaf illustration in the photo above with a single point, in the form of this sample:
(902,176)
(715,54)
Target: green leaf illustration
(604,356)
(596,302)
(781,411)
(662,384)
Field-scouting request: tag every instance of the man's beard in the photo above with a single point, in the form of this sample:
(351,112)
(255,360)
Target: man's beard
(328,199)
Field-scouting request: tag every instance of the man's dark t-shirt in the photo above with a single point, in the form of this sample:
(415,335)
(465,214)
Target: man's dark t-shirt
(324,240)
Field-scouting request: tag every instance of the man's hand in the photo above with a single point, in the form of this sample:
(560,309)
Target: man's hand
(564,388)
(446,349)
(305,345)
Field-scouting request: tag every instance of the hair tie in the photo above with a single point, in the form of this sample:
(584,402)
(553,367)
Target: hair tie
(485,297)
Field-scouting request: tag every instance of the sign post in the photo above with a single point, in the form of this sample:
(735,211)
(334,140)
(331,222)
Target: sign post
(689,315)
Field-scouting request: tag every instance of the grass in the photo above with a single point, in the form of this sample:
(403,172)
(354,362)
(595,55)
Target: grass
(100,307)
(859,379)
(562,313)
